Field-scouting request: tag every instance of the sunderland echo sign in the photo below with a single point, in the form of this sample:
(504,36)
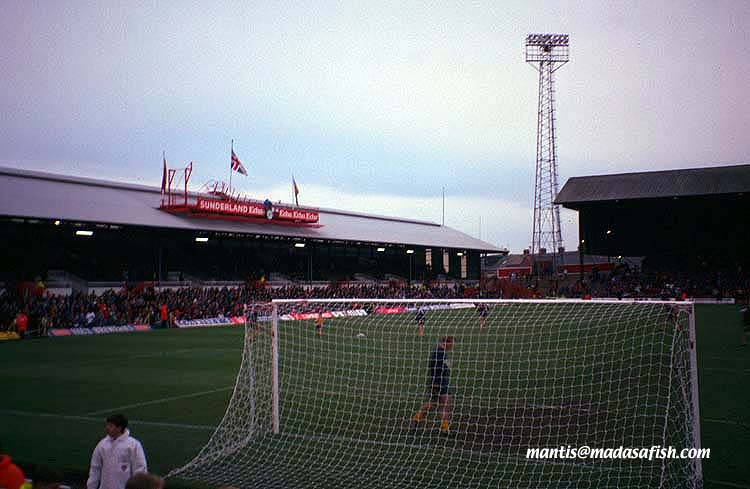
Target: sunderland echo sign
(257,210)
(296,215)
(234,208)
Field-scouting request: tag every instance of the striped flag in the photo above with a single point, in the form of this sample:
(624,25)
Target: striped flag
(296,190)
(237,165)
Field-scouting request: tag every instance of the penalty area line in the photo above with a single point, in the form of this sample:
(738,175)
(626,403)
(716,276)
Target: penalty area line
(159,401)
(69,417)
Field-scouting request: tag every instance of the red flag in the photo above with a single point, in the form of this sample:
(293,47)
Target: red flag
(237,165)
(164,176)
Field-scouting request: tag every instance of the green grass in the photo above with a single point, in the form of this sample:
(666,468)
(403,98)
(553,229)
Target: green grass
(175,386)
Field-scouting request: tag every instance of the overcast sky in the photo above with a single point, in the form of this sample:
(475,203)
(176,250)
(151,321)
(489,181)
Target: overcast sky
(373,106)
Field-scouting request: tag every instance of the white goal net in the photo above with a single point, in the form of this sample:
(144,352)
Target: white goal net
(455,393)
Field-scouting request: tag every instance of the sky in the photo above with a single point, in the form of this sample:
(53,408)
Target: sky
(374,107)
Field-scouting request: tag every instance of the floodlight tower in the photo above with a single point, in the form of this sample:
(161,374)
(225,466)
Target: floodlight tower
(546,53)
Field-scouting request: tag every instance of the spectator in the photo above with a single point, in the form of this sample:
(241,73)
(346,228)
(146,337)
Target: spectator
(117,457)
(164,316)
(144,480)
(11,477)
(22,323)
(45,477)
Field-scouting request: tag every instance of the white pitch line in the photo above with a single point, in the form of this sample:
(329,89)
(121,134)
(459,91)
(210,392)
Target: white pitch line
(158,401)
(13,412)
(726,421)
(728,484)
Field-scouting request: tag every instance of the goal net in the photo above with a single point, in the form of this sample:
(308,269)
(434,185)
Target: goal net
(348,393)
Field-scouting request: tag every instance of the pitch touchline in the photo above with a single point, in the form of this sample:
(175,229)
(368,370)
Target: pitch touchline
(158,401)
(13,412)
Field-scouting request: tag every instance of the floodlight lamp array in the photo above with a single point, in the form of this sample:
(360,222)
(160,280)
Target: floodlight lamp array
(547,40)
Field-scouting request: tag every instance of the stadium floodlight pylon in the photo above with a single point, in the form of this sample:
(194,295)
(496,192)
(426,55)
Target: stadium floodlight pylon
(546,53)
(336,409)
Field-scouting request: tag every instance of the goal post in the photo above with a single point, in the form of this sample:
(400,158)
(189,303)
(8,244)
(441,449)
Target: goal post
(275,368)
(347,392)
(694,396)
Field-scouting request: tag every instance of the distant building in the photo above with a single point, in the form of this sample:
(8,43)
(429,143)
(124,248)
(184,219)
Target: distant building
(569,262)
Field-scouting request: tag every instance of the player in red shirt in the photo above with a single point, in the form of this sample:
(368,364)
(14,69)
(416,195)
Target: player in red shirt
(319,324)
(22,323)
(164,316)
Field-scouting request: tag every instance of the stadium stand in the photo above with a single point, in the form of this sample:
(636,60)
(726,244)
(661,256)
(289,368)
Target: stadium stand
(103,231)
(692,220)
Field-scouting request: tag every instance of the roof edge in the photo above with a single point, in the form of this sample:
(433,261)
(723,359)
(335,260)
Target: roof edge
(57,177)
(655,172)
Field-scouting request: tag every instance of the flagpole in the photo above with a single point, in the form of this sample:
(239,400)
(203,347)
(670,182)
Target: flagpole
(443,205)
(163,175)
(230,167)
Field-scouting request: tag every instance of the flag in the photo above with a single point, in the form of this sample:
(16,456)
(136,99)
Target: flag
(164,176)
(295,188)
(237,165)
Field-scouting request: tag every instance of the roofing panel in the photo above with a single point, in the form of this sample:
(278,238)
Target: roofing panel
(48,196)
(657,184)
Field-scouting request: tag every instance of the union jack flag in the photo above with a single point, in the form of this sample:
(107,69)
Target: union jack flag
(237,165)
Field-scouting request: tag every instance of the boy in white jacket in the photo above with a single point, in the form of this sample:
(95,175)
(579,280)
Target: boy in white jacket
(116,457)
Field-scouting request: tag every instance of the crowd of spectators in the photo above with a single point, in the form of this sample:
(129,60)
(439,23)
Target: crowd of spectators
(627,282)
(145,304)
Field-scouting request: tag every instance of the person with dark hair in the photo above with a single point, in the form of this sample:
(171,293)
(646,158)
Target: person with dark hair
(45,477)
(438,383)
(117,457)
(144,480)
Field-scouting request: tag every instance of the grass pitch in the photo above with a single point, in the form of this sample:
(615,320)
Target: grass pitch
(175,385)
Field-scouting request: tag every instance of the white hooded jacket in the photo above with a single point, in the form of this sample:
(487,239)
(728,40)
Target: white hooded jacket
(114,461)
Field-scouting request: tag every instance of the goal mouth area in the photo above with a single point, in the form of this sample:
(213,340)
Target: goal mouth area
(332,402)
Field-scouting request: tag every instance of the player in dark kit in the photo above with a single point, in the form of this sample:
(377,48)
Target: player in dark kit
(251,321)
(483,312)
(419,318)
(438,396)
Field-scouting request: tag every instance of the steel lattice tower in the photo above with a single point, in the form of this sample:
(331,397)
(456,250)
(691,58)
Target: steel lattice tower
(546,53)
